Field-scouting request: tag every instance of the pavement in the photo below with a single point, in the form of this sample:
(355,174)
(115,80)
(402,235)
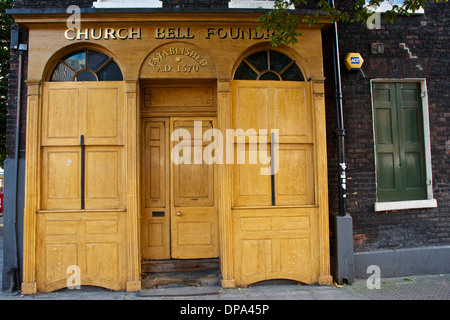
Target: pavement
(420,287)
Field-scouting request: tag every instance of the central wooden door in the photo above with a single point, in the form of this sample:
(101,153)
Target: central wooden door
(179,214)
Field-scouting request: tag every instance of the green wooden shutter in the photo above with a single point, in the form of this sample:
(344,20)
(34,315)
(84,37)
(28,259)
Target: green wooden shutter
(412,155)
(387,142)
(399,142)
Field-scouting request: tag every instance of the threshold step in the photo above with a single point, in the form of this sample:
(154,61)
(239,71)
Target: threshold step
(181,291)
(175,265)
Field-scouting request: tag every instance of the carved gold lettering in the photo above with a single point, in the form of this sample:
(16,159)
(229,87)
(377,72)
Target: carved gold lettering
(237,33)
(178,52)
(109,33)
(103,33)
(99,36)
(173,33)
(170,33)
(210,32)
(132,33)
(188,35)
(85,34)
(222,33)
(257,35)
(246,31)
(66,34)
(120,35)
(160,33)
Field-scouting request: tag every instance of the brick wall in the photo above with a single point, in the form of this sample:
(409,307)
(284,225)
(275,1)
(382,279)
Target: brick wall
(12,101)
(51,4)
(427,37)
(88,3)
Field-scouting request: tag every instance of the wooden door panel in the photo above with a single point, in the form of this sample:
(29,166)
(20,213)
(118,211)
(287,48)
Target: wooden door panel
(275,243)
(194,222)
(250,186)
(275,221)
(155,164)
(251,108)
(194,185)
(92,243)
(155,219)
(95,110)
(60,116)
(104,118)
(293,114)
(104,178)
(294,181)
(61,188)
(193,181)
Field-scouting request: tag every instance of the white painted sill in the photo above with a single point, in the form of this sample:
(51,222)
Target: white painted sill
(404,205)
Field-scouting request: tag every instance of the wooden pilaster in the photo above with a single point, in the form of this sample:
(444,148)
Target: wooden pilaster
(318,97)
(31,188)
(132,188)
(225,221)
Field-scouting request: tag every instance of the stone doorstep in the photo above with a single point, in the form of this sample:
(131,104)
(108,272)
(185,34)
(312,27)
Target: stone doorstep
(201,278)
(181,291)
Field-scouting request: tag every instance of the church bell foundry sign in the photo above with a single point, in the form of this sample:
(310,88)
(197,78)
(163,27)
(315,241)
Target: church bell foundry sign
(177,59)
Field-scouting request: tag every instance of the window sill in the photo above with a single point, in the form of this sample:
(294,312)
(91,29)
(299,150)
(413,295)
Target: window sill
(403,205)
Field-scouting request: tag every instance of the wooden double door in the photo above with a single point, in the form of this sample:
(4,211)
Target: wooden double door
(179,204)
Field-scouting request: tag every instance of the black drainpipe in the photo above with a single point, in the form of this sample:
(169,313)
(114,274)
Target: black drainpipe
(340,121)
(14,271)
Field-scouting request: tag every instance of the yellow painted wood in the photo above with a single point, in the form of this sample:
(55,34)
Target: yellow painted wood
(116,119)
(224,187)
(32,189)
(288,239)
(275,243)
(92,109)
(178,98)
(179,215)
(91,242)
(66,235)
(318,103)
(155,230)
(194,221)
(132,186)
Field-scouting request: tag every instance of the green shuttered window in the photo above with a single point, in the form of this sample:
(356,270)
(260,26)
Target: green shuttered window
(399,139)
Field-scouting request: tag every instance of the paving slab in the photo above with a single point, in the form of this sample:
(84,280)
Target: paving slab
(428,287)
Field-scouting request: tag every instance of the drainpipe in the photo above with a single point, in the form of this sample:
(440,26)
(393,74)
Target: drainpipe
(343,264)
(340,122)
(15,271)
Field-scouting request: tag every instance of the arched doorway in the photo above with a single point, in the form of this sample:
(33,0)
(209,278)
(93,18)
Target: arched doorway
(179,199)
(80,222)
(279,206)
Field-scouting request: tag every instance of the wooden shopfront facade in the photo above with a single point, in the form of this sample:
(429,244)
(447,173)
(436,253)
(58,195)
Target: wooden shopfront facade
(106,105)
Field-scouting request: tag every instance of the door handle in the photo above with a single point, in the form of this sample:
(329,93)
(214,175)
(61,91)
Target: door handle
(179,213)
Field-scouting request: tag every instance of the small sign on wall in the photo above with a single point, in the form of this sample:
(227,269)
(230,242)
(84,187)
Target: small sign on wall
(353,61)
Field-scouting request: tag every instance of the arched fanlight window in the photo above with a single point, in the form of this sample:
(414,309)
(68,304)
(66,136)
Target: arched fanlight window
(268,65)
(87,65)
